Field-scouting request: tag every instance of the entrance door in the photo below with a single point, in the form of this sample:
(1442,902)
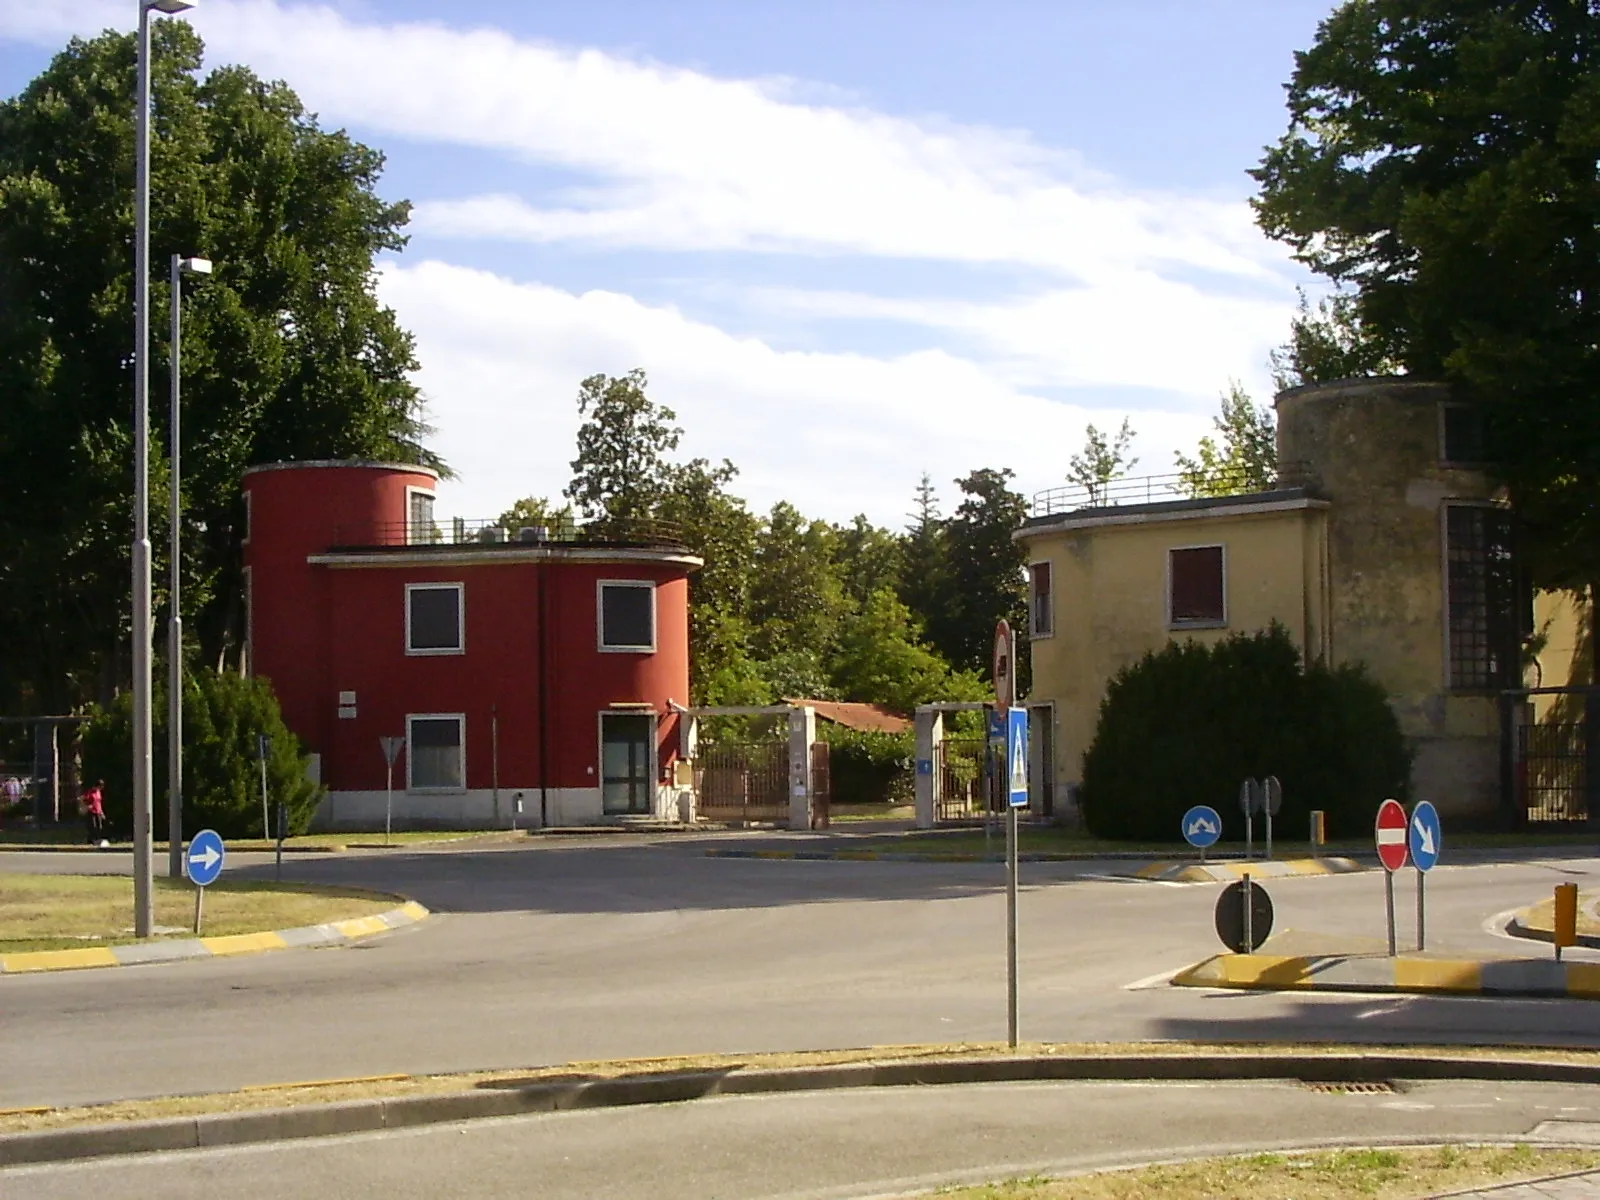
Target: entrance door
(1042,760)
(626,744)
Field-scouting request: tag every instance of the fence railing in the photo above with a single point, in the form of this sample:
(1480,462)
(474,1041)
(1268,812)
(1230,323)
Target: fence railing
(1158,489)
(605,531)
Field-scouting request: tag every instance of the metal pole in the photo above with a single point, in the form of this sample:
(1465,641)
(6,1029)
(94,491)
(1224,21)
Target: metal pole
(266,820)
(1011,925)
(494,758)
(388,800)
(144,917)
(1269,834)
(1388,893)
(175,620)
(1249,915)
(199,898)
(1249,837)
(1421,927)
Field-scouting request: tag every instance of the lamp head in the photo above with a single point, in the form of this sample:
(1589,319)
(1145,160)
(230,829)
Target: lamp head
(170,7)
(195,266)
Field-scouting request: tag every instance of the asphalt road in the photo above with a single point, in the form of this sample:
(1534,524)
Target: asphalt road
(584,949)
(826,1146)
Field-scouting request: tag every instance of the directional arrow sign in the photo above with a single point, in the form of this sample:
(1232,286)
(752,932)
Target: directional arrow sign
(1391,835)
(1425,836)
(1202,826)
(205,858)
(1017,786)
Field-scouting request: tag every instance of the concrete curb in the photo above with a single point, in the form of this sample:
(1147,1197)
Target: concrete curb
(331,934)
(1371,973)
(1227,872)
(1539,927)
(364,1116)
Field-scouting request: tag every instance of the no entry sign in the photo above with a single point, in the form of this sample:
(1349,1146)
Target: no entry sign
(1391,835)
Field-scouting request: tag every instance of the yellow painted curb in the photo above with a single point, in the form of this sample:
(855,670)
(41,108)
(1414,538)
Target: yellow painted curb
(1583,979)
(57,960)
(1153,870)
(1437,975)
(244,943)
(361,926)
(414,910)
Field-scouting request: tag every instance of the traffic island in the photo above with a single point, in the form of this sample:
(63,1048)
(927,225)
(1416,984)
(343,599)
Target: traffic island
(1426,975)
(70,922)
(1256,868)
(1537,922)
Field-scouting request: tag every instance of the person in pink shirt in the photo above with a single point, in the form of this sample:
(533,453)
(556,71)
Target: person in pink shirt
(94,811)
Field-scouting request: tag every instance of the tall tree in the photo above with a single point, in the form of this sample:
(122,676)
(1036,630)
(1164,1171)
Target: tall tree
(1246,460)
(796,597)
(1102,461)
(867,557)
(621,472)
(287,352)
(882,659)
(1440,164)
(924,567)
(986,571)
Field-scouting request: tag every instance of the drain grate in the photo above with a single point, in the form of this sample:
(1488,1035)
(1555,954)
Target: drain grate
(1377,1087)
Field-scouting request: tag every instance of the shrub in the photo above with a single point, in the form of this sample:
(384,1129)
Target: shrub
(223,713)
(868,767)
(1188,724)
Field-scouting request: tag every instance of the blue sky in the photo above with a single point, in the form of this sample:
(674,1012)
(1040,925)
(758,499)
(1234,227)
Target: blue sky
(849,242)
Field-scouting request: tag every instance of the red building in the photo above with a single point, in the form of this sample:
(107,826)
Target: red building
(538,662)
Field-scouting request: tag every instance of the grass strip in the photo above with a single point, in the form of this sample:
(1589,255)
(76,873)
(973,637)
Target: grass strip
(293,1094)
(74,912)
(1397,1174)
(68,837)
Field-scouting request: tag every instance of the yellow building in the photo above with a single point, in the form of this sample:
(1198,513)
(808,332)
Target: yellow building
(1383,542)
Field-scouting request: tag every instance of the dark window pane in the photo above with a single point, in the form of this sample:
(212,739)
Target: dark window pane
(627,616)
(1463,434)
(1043,616)
(625,779)
(1483,597)
(1197,584)
(435,618)
(436,752)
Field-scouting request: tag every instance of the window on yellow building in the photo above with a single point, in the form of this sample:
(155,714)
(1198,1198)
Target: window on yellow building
(1196,587)
(1482,596)
(1042,609)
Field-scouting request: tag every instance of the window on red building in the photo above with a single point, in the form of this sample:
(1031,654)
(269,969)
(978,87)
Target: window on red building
(433,752)
(435,621)
(628,615)
(1196,587)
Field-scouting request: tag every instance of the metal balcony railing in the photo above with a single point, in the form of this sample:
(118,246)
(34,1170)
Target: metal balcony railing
(459,531)
(1162,489)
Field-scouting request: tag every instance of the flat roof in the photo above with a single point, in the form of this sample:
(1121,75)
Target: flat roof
(301,464)
(1278,500)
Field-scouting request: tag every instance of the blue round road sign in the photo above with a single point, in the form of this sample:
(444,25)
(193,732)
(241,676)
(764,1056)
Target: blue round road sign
(205,858)
(1201,826)
(1425,836)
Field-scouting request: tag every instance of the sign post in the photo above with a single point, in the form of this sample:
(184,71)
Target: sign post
(1202,826)
(263,749)
(1249,802)
(391,751)
(1390,834)
(1271,802)
(1424,838)
(1016,762)
(203,863)
(1244,916)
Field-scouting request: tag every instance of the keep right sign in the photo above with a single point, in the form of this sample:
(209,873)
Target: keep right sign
(1391,835)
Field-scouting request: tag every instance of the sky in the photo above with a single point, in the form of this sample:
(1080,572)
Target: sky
(848,242)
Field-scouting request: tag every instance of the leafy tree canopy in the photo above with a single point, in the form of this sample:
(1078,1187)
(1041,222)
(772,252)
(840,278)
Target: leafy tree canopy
(1247,458)
(1103,460)
(621,472)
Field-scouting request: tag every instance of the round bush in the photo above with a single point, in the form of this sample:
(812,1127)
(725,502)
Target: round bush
(1186,725)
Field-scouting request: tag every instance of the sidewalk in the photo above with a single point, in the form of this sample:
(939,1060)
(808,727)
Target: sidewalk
(1560,1187)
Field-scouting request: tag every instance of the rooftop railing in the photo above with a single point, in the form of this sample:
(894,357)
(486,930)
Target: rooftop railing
(459,531)
(1164,489)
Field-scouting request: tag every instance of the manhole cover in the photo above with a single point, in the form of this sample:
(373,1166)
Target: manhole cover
(1380,1087)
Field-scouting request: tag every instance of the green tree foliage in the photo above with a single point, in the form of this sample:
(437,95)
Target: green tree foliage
(1102,461)
(881,658)
(797,600)
(621,472)
(1440,164)
(1246,460)
(1327,345)
(533,511)
(287,352)
(867,558)
(868,766)
(1187,725)
(925,557)
(223,713)
(985,573)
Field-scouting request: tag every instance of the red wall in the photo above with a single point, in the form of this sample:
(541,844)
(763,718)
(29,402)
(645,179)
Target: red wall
(320,629)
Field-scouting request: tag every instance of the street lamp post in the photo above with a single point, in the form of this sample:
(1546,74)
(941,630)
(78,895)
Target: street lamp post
(144,911)
(180,267)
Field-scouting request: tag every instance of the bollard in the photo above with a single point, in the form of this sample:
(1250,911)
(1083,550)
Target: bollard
(1319,829)
(1565,917)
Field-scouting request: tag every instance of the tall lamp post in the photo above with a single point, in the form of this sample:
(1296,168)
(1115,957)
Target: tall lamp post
(144,910)
(180,267)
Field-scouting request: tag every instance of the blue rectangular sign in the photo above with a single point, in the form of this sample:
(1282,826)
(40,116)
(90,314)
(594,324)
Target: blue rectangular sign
(1017,757)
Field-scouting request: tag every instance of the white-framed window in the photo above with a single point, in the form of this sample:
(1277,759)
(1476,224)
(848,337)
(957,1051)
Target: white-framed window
(1041,600)
(625,617)
(436,759)
(436,618)
(420,529)
(1197,587)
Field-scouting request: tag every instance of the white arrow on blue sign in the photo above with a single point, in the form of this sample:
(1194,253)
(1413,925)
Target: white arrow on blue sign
(1202,826)
(205,858)
(1425,835)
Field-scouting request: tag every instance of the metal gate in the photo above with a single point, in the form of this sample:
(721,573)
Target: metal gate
(960,779)
(743,781)
(821,785)
(1551,766)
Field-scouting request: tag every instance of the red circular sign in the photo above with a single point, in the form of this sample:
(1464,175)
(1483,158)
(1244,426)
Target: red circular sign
(1004,668)
(1391,835)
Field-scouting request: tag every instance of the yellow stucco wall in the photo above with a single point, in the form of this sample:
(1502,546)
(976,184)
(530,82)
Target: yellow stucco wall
(1109,579)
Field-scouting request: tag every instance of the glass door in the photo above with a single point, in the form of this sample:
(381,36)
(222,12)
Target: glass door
(626,740)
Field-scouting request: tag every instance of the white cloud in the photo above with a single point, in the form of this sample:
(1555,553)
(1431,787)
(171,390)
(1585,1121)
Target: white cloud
(836,433)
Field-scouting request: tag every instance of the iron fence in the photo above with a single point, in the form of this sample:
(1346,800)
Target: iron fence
(961,778)
(1550,767)
(743,781)
(459,531)
(1160,489)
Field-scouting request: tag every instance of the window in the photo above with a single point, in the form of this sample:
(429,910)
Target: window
(1196,587)
(420,529)
(1043,622)
(433,752)
(628,615)
(1481,595)
(435,619)
(1461,437)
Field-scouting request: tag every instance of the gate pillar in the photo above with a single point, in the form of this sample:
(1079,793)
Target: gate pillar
(929,736)
(802,732)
